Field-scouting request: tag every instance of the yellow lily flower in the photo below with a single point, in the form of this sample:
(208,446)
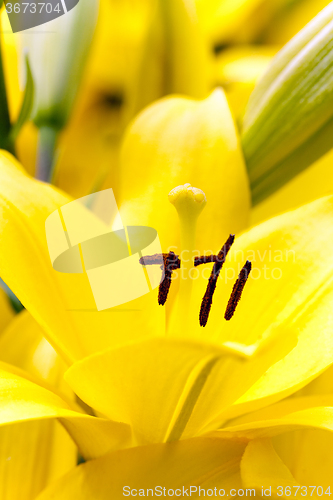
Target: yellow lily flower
(128,365)
(201,386)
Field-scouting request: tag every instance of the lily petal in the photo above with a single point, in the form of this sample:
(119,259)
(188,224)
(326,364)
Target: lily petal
(193,383)
(308,454)
(311,418)
(32,454)
(313,183)
(261,467)
(194,462)
(24,398)
(127,392)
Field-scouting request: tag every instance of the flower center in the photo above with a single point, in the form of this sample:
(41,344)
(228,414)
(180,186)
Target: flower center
(189,203)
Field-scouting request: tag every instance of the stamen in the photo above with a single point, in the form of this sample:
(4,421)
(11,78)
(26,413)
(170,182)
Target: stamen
(207,300)
(161,258)
(237,290)
(170,262)
(204,259)
(151,260)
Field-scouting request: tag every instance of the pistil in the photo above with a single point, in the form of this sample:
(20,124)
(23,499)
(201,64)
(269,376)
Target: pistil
(189,203)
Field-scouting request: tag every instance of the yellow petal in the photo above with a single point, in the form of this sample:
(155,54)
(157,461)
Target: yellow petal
(195,384)
(283,408)
(314,182)
(135,382)
(308,454)
(310,418)
(24,398)
(261,467)
(196,462)
(32,454)
(177,141)
(22,344)
(62,303)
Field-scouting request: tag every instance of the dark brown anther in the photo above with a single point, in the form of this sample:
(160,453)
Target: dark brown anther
(237,290)
(204,259)
(207,300)
(164,287)
(150,260)
(170,261)
(161,258)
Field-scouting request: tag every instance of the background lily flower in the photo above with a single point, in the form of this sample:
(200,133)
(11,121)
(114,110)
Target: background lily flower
(238,69)
(226,23)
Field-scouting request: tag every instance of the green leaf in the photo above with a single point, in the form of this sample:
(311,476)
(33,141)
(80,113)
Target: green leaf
(289,116)
(27,103)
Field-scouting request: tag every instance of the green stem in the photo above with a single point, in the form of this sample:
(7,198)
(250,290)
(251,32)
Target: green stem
(46,151)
